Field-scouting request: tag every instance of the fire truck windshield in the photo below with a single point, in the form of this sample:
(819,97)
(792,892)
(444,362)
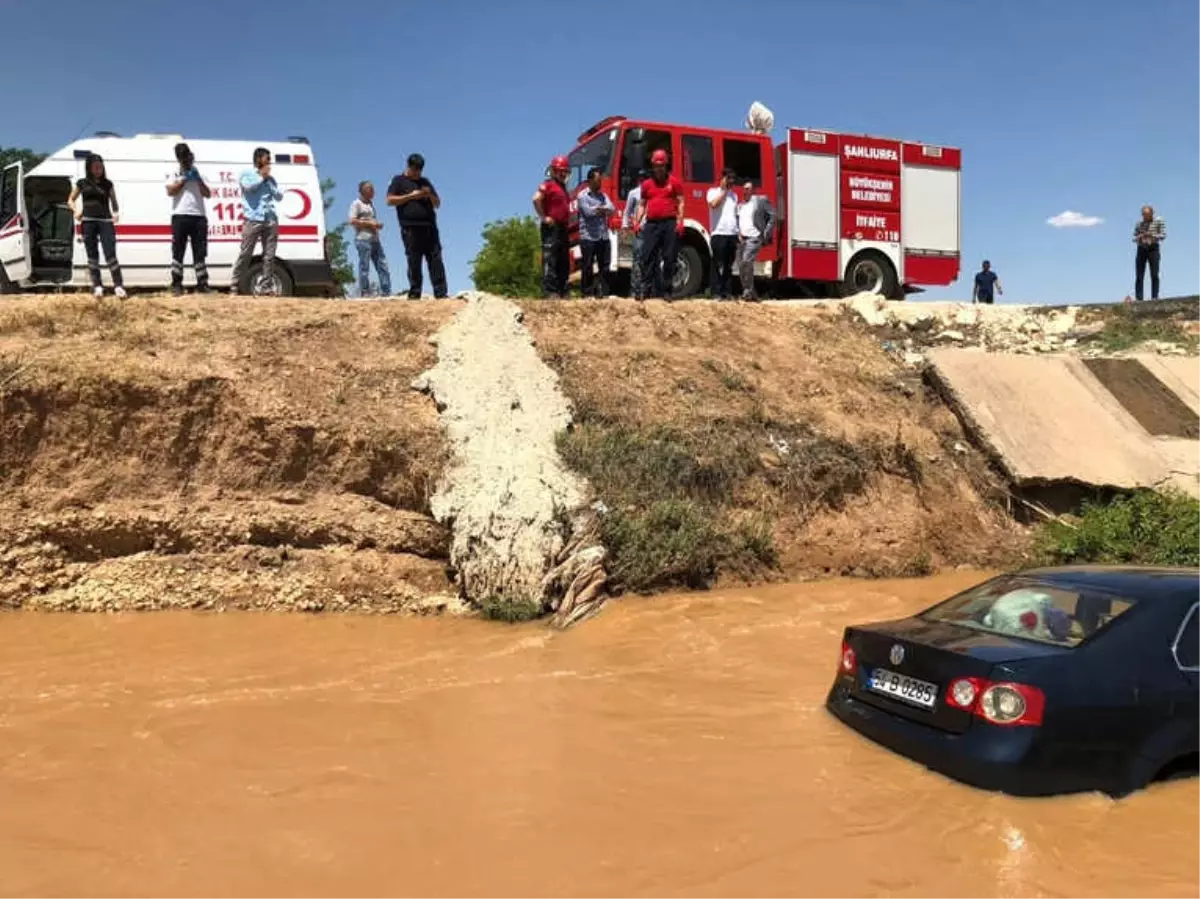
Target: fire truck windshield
(597,153)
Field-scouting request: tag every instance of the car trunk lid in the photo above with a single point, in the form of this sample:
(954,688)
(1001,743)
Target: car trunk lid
(933,652)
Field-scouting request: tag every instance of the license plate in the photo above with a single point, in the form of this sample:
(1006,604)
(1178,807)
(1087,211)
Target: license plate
(903,687)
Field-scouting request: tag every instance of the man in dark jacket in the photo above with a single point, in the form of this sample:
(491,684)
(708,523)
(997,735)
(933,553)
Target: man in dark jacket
(416,203)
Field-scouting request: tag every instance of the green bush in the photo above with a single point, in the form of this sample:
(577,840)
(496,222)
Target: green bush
(1142,528)
(676,543)
(509,264)
(511,611)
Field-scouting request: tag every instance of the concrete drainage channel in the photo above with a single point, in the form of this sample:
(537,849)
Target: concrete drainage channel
(524,539)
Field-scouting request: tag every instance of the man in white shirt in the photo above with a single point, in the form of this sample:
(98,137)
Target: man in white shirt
(756,225)
(723,230)
(366,225)
(187,191)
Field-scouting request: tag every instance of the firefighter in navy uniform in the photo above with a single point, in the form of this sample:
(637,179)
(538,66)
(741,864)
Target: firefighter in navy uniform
(553,205)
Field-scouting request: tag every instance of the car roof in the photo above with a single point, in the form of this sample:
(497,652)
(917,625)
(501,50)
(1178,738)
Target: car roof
(1133,581)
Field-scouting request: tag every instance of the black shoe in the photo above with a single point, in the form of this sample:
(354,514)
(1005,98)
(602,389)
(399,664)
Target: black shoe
(203,289)
(176,290)
(414,296)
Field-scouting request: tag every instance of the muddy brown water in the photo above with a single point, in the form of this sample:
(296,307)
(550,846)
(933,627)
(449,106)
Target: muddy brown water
(674,746)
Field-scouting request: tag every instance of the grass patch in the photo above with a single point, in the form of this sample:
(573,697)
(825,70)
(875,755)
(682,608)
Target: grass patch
(510,611)
(730,378)
(1142,528)
(1123,330)
(674,496)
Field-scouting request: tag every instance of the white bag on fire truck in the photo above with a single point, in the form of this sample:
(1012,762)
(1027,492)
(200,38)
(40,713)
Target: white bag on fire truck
(759,119)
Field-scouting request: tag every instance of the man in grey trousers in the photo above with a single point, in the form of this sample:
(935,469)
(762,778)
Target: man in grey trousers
(260,193)
(756,226)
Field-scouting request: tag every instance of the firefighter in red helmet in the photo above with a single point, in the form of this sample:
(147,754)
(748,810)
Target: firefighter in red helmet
(553,205)
(660,215)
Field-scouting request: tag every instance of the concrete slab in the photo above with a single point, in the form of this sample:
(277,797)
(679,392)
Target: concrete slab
(1179,373)
(1047,419)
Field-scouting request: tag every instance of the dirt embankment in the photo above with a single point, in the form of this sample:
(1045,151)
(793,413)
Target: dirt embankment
(736,441)
(250,454)
(218,453)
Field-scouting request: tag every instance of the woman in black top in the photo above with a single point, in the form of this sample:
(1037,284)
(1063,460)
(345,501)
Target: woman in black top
(98,212)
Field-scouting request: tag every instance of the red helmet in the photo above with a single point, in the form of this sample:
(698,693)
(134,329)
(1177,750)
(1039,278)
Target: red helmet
(658,157)
(559,164)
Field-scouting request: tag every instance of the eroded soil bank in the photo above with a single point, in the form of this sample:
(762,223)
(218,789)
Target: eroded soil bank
(669,748)
(218,454)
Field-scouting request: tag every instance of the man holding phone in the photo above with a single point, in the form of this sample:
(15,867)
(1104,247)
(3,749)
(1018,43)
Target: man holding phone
(260,193)
(187,191)
(417,201)
(723,226)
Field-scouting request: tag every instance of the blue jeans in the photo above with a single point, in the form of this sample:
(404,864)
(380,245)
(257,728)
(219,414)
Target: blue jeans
(372,251)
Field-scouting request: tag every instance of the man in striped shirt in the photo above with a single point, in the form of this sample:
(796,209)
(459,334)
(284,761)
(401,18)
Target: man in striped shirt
(1148,234)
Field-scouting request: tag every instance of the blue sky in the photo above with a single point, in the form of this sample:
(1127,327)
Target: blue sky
(1082,105)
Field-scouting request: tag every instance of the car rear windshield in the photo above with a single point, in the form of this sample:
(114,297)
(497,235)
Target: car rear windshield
(1029,610)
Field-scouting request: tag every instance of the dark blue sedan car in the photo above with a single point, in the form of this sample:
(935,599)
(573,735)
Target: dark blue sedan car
(1057,680)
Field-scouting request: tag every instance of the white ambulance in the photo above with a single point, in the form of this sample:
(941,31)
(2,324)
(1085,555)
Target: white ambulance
(41,245)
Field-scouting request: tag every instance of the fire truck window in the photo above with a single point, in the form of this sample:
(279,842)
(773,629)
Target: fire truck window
(635,158)
(745,158)
(596,153)
(699,164)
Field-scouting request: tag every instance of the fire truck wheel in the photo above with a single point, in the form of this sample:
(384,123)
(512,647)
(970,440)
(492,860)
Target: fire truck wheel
(256,286)
(689,272)
(871,272)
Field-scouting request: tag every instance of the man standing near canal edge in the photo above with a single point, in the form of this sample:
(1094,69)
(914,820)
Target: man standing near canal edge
(189,222)
(1148,234)
(660,217)
(723,226)
(416,203)
(594,247)
(366,227)
(260,193)
(553,206)
(987,285)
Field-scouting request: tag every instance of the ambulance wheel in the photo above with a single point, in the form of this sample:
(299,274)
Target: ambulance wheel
(256,285)
(871,272)
(689,272)
(6,286)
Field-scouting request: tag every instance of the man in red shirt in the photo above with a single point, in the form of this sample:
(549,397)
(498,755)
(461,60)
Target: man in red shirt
(660,217)
(553,205)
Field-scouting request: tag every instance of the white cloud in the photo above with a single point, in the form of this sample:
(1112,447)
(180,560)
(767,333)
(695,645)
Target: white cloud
(1070,219)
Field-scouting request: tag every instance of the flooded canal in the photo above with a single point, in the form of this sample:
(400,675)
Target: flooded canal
(673,747)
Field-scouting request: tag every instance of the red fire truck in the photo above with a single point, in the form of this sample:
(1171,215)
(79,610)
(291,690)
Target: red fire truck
(856,212)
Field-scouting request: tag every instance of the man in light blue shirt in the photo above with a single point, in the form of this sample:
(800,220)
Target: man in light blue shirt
(594,246)
(260,193)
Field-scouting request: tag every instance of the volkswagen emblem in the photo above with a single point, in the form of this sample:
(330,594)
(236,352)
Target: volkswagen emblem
(896,656)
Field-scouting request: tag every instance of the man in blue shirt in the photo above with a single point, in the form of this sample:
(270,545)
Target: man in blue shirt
(594,247)
(260,193)
(987,285)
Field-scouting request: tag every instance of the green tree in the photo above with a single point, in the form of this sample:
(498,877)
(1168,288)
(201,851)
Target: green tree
(510,262)
(335,241)
(9,155)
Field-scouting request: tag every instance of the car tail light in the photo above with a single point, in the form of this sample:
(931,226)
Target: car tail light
(1012,704)
(964,692)
(848,661)
(1005,704)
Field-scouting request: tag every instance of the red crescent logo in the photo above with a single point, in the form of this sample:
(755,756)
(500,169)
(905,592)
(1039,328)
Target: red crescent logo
(306,209)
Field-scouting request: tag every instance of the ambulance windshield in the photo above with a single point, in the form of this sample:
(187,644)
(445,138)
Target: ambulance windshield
(597,153)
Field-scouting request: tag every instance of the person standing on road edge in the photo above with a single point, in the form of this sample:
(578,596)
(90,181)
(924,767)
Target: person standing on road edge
(417,202)
(987,285)
(366,227)
(189,222)
(756,225)
(260,193)
(98,215)
(628,223)
(723,228)
(660,216)
(553,206)
(1148,234)
(594,211)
